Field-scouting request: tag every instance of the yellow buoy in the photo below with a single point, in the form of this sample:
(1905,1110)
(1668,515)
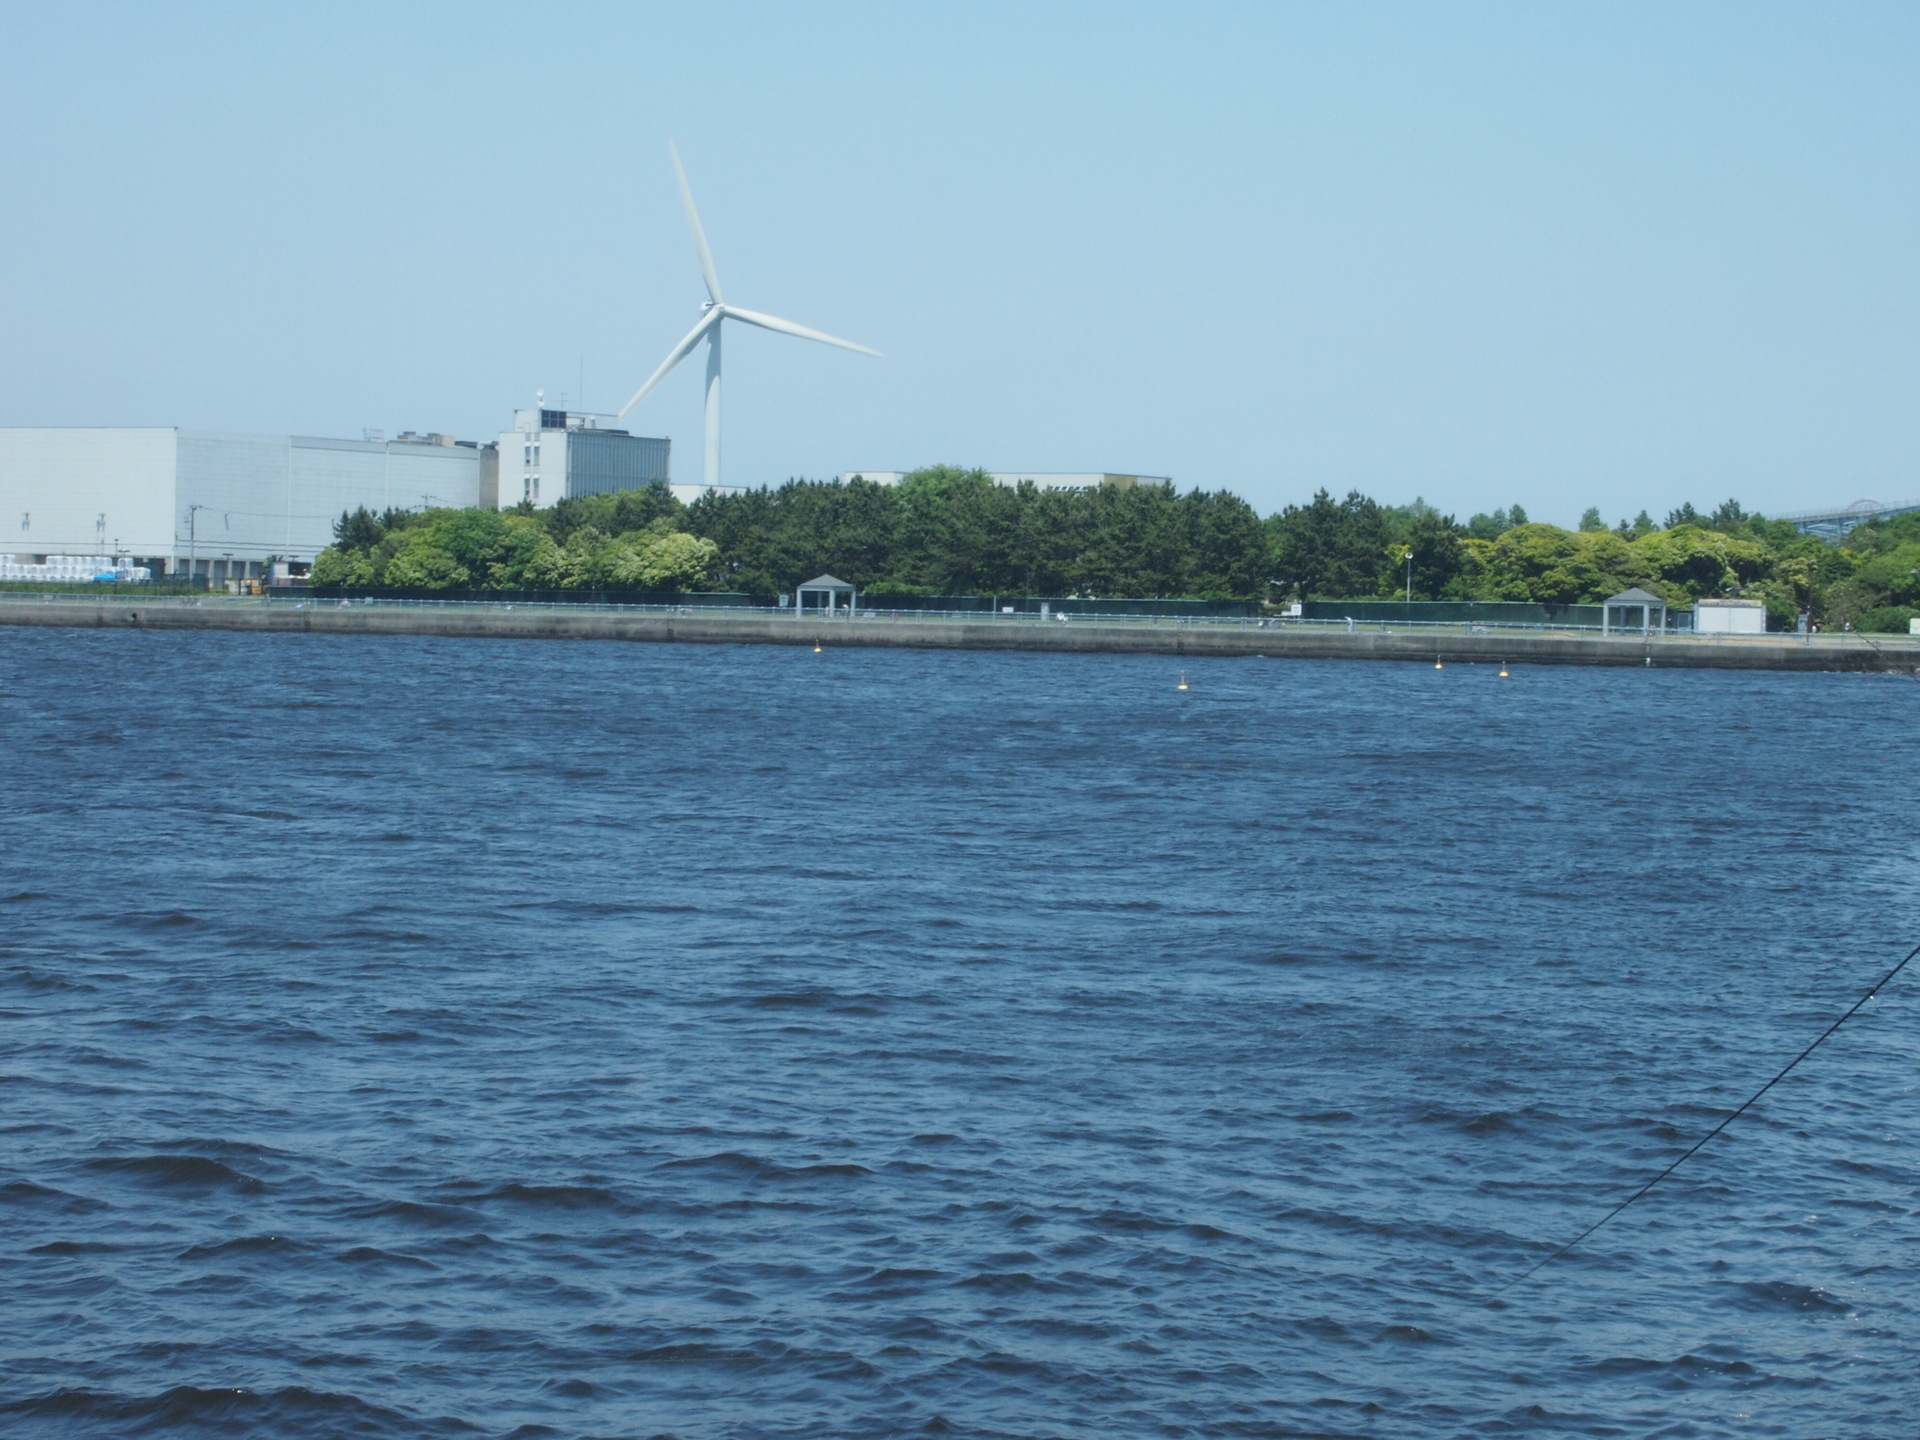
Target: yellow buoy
(816,649)
(1438,666)
(1183,679)
(1503,669)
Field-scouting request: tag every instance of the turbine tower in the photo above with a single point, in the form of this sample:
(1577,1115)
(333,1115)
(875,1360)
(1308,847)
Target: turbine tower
(715,312)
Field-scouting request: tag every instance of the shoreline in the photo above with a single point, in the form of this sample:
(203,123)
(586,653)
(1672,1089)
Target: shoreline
(1185,638)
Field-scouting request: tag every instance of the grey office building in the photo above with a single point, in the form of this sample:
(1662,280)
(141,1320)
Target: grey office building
(554,455)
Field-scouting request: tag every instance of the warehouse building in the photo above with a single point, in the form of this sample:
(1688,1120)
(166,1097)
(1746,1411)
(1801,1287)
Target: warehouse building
(214,504)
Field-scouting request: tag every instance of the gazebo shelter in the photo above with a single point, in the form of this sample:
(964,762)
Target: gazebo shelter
(826,596)
(1634,609)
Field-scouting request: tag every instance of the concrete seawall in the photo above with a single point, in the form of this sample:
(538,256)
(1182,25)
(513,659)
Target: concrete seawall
(1898,654)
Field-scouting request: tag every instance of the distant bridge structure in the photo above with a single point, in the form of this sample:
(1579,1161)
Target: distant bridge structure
(1832,524)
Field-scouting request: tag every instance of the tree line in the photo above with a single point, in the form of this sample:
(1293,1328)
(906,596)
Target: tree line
(633,540)
(940,531)
(949,531)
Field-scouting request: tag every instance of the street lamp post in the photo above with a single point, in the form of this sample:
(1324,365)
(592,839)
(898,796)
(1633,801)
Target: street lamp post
(1408,557)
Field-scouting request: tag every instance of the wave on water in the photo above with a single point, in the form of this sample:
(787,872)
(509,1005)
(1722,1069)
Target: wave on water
(292,1411)
(549,1197)
(26,1192)
(587,1040)
(730,1164)
(191,1172)
(244,1246)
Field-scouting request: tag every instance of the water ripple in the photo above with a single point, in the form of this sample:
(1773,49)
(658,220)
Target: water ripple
(409,1038)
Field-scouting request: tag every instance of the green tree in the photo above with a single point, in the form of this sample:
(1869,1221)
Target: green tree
(1551,566)
(1688,562)
(1638,528)
(335,567)
(1336,549)
(669,561)
(359,531)
(1224,547)
(1727,515)
(421,562)
(1439,558)
(1685,515)
(1489,527)
(1882,579)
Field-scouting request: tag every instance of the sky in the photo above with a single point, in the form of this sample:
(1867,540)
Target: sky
(1563,255)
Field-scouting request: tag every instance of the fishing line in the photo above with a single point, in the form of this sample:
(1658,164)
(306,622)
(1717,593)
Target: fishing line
(1700,1144)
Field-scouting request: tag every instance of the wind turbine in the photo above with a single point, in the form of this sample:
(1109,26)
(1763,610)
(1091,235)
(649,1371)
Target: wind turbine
(715,312)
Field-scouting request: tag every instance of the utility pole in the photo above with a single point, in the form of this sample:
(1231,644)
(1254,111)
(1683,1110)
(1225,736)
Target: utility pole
(193,537)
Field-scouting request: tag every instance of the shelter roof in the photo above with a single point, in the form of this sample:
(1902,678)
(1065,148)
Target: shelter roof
(1635,596)
(825,582)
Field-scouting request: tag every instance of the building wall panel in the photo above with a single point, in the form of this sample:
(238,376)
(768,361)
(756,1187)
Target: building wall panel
(601,462)
(86,491)
(269,495)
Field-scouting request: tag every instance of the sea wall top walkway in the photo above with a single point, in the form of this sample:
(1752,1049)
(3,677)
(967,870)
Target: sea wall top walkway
(1185,636)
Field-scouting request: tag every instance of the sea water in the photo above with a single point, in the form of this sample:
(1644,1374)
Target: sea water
(411,1037)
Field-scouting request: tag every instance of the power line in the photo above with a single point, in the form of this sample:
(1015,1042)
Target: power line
(1699,1144)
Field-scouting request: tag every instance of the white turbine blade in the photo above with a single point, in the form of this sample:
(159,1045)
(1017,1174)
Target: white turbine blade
(787,327)
(679,353)
(693,223)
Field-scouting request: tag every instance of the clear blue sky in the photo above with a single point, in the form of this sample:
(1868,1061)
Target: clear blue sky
(1623,255)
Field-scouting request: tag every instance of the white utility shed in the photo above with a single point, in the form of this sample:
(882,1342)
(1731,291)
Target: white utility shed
(1729,617)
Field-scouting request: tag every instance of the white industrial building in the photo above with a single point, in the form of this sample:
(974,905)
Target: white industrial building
(555,455)
(222,505)
(1043,479)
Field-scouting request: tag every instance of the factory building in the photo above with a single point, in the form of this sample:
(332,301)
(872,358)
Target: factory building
(219,505)
(555,455)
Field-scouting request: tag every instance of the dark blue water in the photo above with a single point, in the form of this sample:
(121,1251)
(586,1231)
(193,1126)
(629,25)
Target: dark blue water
(417,1037)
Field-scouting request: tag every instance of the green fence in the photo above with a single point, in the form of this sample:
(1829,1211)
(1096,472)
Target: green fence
(725,600)
(1452,612)
(1054,605)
